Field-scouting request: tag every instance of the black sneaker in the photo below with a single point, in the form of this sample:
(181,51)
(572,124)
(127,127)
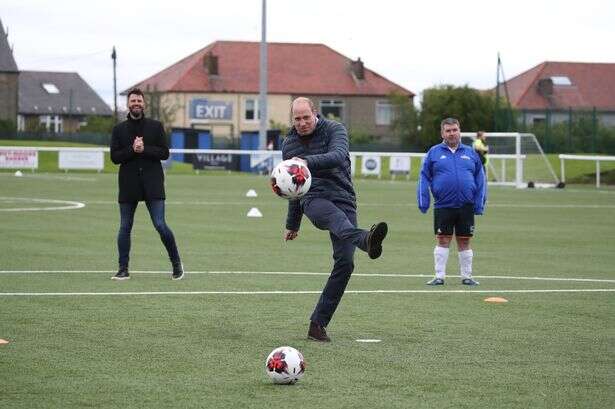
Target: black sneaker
(178,271)
(374,241)
(317,333)
(122,274)
(436,281)
(469,281)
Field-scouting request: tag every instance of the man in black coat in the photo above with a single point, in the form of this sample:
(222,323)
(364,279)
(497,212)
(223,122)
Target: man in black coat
(330,204)
(138,145)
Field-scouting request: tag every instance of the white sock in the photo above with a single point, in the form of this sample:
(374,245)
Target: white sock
(440,256)
(465,263)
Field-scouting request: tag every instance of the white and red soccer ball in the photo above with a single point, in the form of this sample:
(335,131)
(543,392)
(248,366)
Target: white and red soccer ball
(285,365)
(291,179)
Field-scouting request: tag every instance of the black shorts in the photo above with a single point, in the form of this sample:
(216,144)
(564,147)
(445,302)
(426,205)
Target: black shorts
(448,220)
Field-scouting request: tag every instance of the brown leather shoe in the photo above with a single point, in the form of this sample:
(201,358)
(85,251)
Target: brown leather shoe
(318,333)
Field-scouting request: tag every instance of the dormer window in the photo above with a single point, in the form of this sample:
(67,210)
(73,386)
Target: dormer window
(51,88)
(561,80)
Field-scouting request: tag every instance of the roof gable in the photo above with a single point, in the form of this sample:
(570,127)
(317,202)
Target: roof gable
(293,68)
(540,88)
(74,95)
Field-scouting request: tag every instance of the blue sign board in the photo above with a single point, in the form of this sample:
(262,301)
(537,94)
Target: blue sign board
(211,110)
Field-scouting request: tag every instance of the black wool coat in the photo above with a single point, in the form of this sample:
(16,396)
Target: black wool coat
(140,176)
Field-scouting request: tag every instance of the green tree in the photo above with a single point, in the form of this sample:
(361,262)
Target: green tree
(405,119)
(156,109)
(98,124)
(283,128)
(473,109)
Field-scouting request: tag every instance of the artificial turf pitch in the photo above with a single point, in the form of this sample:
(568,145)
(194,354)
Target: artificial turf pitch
(78,339)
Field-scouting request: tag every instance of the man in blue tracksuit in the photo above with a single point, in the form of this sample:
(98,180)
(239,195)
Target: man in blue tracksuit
(330,204)
(455,175)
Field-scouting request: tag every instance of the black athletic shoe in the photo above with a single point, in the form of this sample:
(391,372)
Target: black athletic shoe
(317,333)
(122,274)
(374,241)
(178,271)
(469,281)
(436,281)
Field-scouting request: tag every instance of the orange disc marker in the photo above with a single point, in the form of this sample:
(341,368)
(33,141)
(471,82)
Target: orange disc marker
(497,300)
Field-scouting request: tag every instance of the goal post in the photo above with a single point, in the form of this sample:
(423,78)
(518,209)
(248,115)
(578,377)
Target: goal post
(515,159)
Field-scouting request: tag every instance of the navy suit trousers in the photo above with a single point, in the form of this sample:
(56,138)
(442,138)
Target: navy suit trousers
(340,219)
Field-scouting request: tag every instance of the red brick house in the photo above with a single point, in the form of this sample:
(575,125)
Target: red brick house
(554,88)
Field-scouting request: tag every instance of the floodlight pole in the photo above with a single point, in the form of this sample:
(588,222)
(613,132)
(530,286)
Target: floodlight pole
(114,58)
(497,97)
(262,96)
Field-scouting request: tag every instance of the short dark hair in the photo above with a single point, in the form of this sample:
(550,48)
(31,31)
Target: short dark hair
(135,91)
(449,121)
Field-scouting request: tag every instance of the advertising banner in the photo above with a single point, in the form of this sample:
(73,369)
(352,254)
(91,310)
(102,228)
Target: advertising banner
(18,159)
(81,160)
(215,161)
(400,165)
(370,165)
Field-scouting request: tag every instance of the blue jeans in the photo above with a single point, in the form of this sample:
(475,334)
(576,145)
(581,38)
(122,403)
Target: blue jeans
(156,213)
(340,219)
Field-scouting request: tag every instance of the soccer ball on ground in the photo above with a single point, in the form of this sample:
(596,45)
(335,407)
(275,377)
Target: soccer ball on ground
(285,365)
(291,179)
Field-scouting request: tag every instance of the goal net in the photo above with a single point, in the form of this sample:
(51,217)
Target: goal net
(515,159)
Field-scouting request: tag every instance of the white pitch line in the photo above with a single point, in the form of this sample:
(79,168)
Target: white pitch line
(404,205)
(70,204)
(303,273)
(132,293)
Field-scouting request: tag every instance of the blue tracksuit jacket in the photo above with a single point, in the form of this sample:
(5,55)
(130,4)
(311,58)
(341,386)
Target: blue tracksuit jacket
(455,179)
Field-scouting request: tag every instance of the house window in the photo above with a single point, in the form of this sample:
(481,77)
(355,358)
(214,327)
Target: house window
(332,109)
(51,88)
(250,111)
(384,113)
(537,120)
(52,123)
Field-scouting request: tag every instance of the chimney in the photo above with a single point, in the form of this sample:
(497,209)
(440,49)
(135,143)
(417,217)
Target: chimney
(357,69)
(545,87)
(210,62)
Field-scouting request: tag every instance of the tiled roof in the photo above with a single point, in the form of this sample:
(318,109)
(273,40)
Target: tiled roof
(591,85)
(293,68)
(7,61)
(74,95)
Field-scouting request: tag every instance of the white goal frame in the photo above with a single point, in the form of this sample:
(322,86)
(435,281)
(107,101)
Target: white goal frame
(518,157)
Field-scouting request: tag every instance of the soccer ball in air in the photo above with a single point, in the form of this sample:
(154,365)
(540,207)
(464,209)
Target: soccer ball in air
(291,179)
(285,365)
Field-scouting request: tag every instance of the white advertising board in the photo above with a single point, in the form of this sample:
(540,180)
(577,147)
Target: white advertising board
(400,165)
(18,159)
(370,165)
(81,160)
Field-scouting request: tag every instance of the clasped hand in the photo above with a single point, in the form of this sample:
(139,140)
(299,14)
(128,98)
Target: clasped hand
(137,145)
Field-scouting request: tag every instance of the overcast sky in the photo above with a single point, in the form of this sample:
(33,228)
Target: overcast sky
(415,44)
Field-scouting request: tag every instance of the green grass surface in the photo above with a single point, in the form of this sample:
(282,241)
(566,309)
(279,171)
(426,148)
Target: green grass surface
(134,347)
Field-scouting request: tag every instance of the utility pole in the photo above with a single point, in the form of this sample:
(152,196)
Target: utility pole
(114,58)
(262,96)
